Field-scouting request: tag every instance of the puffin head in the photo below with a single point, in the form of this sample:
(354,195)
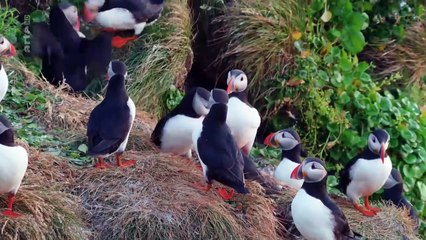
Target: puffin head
(218,112)
(200,102)
(116,67)
(218,95)
(310,170)
(71,13)
(286,139)
(91,8)
(6,48)
(394,179)
(378,142)
(237,81)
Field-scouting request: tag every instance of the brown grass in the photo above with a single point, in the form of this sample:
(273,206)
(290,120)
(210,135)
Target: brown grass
(155,200)
(408,57)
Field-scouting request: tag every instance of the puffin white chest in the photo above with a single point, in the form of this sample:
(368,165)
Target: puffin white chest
(4,83)
(176,136)
(132,110)
(283,172)
(13,165)
(243,121)
(195,135)
(119,18)
(368,176)
(312,218)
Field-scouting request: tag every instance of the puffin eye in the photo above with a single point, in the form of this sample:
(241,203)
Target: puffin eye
(313,166)
(241,79)
(374,140)
(2,41)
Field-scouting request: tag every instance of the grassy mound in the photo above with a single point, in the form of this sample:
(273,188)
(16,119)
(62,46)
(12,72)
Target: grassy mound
(48,212)
(155,200)
(161,57)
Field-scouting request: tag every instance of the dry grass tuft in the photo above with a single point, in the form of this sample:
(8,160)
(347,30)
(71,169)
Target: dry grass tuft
(48,212)
(258,36)
(408,57)
(155,200)
(161,57)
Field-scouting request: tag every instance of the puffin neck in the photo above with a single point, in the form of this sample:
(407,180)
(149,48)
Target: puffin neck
(316,189)
(370,155)
(7,138)
(243,95)
(292,154)
(116,89)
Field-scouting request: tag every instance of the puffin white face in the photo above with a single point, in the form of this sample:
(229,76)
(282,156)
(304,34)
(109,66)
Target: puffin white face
(237,81)
(6,48)
(3,128)
(282,138)
(120,68)
(378,142)
(91,8)
(218,95)
(311,170)
(200,103)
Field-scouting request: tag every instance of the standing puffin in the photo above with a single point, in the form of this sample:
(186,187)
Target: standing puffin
(393,191)
(291,146)
(242,119)
(8,50)
(110,122)
(367,172)
(315,214)
(220,157)
(173,133)
(116,15)
(13,165)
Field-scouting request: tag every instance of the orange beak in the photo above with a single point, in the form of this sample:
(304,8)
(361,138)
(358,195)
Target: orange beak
(268,139)
(383,152)
(77,25)
(87,14)
(11,52)
(294,172)
(229,89)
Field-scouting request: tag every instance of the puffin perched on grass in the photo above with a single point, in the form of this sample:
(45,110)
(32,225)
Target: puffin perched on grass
(6,50)
(220,157)
(119,15)
(314,213)
(173,133)
(13,165)
(242,118)
(110,122)
(394,192)
(367,172)
(289,141)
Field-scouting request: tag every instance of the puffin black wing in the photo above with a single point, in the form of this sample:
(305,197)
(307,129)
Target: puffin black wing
(158,130)
(222,157)
(341,229)
(62,29)
(97,53)
(345,178)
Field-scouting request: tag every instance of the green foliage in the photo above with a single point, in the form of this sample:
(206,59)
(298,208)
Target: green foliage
(172,97)
(9,25)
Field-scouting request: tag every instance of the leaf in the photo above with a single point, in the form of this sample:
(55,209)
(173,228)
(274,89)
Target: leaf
(410,159)
(356,21)
(353,40)
(295,82)
(408,135)
(422,189)
(345,64)
(385,103)
(83,148)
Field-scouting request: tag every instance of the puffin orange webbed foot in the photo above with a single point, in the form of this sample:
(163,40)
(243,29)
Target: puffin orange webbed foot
(225,194)
(119,42)
(10,213)
(364,211)
(369,207)
(202,187)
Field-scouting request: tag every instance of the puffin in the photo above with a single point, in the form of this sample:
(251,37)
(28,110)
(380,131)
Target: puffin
(220,157)
(65,55)
(393,192)
(7,50)
(173,133)
(123,15)
(367,172)
(71,13)
(289,141)
(13,165)
(111,121)
(243,119)
(315,214)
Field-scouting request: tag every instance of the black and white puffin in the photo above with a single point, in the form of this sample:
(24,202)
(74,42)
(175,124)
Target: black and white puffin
(314,213)
(289,141)
(6,50)
(242,119)
(220,157)
(13,165)
(394,192)
(111,121)
(71,13)
(173,133)
(118,15)
(367,172)
(67,57)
